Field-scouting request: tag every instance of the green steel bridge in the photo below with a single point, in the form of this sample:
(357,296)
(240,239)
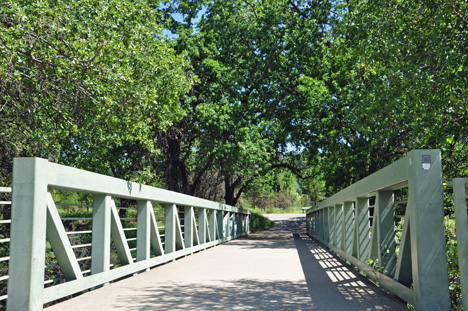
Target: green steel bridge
(131,247)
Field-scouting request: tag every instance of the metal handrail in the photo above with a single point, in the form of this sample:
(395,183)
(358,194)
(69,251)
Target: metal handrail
(36,216)
(6,259)
(417,272)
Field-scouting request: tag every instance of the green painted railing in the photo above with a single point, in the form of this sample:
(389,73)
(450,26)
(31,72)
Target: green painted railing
(391,226)
(461,224)
(190,224)
(5,221)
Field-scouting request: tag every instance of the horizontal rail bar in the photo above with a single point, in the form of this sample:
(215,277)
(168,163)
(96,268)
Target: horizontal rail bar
(4,297)
(51,265)
(73,204)
(77,218)
(81,245)
(79,232)
(54,280)
(4,240)
(4,278)
(4,259)
(5,189)
(6,221)
(5,202)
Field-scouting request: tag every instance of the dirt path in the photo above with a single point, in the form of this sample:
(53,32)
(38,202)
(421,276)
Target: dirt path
(279,269)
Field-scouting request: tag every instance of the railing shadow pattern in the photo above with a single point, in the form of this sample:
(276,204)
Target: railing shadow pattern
(334,285)
(391,226)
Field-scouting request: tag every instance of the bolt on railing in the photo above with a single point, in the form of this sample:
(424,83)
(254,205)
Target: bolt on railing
(127,228)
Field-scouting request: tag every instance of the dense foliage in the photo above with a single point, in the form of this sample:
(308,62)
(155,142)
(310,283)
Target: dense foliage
(329,90)
(254,103)
(85,83)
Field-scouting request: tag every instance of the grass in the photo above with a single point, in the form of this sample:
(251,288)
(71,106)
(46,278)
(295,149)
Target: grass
(261,223)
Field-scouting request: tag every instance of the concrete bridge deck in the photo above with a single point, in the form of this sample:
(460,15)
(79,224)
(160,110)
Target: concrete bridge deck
(279,269)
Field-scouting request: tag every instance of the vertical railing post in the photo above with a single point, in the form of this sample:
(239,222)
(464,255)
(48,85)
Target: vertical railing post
(461,225)
(202,225)
(384,216)
(316,224)
(188,226)
(348,227)
(220,218)
(27,234)
(243,217)
(319,222)
(235,221)
(339,226)
(170,228)
(332,225)
(233,224)
(429,254)
(227,223)
(362,228)
(326,224)
(100,241)
(144,210)
(212,224)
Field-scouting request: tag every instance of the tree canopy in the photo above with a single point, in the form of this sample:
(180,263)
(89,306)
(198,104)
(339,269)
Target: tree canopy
(82,81)
(275,99)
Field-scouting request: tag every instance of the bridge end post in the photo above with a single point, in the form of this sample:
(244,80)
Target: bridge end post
(461,225)
(28,231)
(429,258)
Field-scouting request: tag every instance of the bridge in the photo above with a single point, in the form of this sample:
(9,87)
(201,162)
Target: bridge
(279,269)
(122,245)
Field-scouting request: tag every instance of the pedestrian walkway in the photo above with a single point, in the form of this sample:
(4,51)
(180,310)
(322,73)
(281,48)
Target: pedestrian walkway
(279,269)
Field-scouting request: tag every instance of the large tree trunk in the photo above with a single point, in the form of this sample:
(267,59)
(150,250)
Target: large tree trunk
(229,197)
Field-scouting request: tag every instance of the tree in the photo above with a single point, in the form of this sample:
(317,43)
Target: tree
(395,80)
(86,82)
(246,56)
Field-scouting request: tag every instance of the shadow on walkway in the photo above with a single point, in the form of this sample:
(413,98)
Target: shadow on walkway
(330,284)
(279,269)
(244,294)
(334,285)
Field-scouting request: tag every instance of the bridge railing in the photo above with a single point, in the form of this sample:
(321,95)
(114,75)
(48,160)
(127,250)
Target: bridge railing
(5,221)
(391,226)
(460,195)
(153,227)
